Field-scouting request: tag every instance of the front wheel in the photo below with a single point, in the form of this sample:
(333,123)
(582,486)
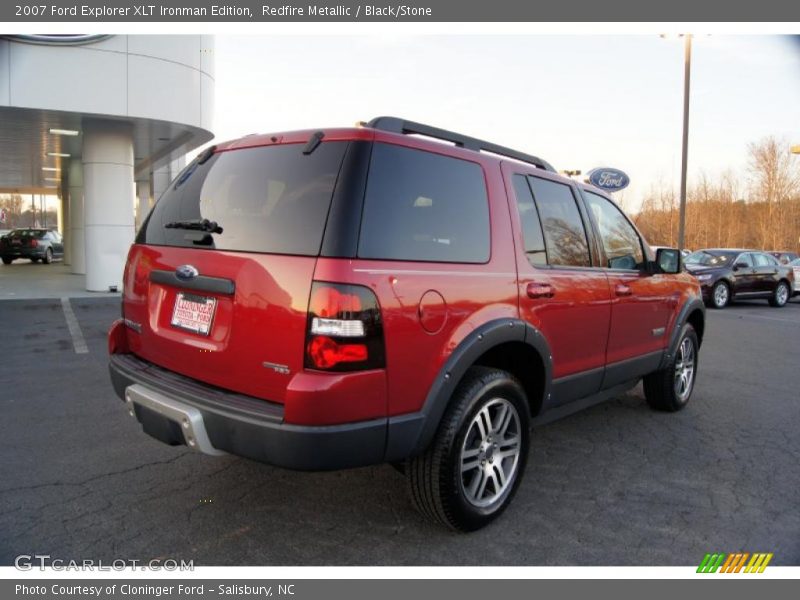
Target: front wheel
(473,467)
(670,388)
(720,295)
(780,295)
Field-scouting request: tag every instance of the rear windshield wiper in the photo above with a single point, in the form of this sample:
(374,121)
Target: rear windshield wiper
(196,225)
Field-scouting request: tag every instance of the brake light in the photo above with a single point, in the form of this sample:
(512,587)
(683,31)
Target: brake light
(34,243)
(344,330)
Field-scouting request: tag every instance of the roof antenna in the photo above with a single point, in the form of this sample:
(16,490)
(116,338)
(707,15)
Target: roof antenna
(313,142)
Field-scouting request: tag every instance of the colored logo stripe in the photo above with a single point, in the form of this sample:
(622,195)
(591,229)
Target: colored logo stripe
(733,563)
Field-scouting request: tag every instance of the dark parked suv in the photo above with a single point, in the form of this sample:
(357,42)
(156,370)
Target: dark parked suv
(725,274)
(346,297)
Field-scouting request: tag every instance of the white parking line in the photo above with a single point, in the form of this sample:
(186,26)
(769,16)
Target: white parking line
(74,328)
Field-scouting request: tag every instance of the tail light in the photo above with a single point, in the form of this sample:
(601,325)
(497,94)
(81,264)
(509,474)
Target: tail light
(34,243)
(344,330)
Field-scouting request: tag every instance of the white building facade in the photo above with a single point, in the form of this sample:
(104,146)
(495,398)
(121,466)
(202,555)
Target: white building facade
(105,123)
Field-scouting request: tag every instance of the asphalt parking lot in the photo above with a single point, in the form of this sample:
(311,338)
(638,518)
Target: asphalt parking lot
(617,484)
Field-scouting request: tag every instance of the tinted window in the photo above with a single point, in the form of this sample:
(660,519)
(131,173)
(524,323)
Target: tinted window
(529,219)
(763,260)
(268,199)
(622,245)
(745,259)
(424,206)
(564,234)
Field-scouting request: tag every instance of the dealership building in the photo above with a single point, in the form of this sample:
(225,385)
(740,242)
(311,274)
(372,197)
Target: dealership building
(104,123)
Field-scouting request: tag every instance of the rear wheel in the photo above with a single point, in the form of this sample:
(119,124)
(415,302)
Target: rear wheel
(7,260)
(670,388)
(473,467)
(720,295)
(48,256)
(34,260)
(780,295)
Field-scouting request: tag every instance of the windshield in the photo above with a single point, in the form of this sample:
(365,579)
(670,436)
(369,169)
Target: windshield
(708,258)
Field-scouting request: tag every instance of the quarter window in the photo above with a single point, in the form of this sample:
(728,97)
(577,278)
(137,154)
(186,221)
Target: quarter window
(622,245)
(421,206)
(564,234)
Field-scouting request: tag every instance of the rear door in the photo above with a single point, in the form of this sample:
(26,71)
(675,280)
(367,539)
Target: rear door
(561,292)
(642,302)
(766,272)
(226,303)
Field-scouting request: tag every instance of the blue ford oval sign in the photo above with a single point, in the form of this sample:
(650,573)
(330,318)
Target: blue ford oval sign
(611,180)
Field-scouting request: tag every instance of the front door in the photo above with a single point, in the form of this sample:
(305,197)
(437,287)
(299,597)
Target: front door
(641,302)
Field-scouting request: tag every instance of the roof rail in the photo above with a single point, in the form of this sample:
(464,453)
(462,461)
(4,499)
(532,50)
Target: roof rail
(397,125)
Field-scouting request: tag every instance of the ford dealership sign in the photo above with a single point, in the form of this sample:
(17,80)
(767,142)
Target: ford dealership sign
(606,178)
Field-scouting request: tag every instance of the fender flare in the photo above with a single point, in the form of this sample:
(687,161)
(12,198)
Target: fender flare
(410,434)
(688,308)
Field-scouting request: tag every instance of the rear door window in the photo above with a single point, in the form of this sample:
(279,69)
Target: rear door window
(532,235)
(421,206)
(271,199)
(564,233)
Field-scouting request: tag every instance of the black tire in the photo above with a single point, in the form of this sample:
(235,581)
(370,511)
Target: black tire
(7,260)
(660,387)
(436,480)
(720,295)
(48,256)
(34,260)
(780,295)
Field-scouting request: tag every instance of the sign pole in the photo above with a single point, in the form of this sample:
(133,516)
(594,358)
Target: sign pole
(687,68)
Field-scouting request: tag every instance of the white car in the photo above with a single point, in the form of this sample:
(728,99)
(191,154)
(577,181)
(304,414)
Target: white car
(795,264)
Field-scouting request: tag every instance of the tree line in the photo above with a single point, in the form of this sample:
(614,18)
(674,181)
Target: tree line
(760,210)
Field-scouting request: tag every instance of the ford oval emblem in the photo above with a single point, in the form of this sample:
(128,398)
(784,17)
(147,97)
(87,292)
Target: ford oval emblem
(606,178)
(186,272)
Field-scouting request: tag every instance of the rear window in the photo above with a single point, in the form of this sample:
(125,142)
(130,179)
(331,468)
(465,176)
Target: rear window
(272,199)
(28,233)
(421,206)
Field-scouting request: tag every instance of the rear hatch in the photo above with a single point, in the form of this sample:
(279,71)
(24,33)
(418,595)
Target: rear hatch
(218,282)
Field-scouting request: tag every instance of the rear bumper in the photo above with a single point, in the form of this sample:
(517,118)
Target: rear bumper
(179,410)
(23,252)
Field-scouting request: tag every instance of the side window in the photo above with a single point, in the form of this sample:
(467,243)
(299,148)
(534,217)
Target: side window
(746,259)
(425,207)
(564,234)
(762,260)
(529,218)
(622,244)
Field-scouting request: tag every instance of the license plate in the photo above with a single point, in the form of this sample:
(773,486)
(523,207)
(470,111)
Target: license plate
(193,313)
(16,242)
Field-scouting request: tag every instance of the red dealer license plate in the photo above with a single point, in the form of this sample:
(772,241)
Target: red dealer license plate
(194,313)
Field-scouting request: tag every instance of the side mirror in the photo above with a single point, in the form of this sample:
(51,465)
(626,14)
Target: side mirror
(668,260)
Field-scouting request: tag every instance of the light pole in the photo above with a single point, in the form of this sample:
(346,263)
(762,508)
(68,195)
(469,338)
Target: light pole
(687,71)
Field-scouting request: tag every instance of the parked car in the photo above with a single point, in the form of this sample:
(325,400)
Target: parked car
(795,265)
(345,297)
(726,274)
(36,244)
(4,232)
(784,257)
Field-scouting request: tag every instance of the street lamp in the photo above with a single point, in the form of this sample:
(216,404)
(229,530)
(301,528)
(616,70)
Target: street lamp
(687,71)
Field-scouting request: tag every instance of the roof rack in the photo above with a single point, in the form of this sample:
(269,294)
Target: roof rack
(397,125)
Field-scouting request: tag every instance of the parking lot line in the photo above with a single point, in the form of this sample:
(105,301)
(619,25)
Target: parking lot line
(74,328)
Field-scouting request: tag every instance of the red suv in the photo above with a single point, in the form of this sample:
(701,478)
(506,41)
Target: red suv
(345,297)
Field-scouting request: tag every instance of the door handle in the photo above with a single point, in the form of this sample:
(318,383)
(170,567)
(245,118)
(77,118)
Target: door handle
(622,290)
(540,290)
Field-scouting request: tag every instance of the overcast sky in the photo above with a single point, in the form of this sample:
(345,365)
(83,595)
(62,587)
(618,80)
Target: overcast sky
(576,101)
